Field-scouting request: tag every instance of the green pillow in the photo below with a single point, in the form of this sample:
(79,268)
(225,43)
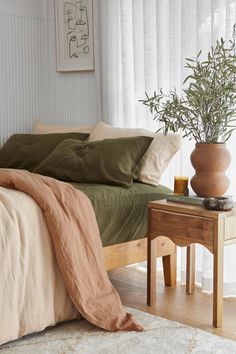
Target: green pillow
(109,161)
(26,151)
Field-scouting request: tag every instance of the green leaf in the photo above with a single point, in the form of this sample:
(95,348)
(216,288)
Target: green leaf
(206,109)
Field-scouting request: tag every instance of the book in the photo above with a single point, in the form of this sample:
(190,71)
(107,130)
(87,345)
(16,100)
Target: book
(192,199)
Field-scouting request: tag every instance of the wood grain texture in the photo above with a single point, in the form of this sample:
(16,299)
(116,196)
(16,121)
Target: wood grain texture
(169,269)
(134,252)
(190,269)
(191,209)
(151,273)
(190,224)
(181,228)
(173,303)
(218,273)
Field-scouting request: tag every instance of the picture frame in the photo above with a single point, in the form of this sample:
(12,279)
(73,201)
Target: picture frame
(74,35)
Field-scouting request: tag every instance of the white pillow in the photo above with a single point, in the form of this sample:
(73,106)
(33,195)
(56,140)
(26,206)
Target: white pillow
(156,158)
(40,127)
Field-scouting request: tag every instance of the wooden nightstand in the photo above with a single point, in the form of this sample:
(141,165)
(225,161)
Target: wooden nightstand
(186,225)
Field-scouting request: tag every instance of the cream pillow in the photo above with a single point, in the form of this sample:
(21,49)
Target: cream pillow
(104,131)
(40,127)
(158,155)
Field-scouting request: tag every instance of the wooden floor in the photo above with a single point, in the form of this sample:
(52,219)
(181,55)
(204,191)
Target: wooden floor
(173,303)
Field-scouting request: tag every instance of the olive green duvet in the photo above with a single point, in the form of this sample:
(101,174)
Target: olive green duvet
(121,213)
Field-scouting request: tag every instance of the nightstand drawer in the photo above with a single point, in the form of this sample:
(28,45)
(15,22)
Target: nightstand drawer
(182,226)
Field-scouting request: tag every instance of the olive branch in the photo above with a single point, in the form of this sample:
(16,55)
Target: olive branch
(206,112)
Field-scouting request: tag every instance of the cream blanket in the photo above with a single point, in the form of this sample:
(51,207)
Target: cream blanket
(32,294)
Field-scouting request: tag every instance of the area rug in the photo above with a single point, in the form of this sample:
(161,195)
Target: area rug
(160,336)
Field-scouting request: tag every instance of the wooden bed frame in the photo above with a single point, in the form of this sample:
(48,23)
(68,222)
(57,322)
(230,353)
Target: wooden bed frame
(131,252)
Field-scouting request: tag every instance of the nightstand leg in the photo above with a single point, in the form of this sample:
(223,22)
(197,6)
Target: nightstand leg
(169,269)
(190,269)
(218,283)
(151,272)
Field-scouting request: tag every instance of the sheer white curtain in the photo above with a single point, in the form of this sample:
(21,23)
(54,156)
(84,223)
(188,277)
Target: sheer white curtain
(143,47)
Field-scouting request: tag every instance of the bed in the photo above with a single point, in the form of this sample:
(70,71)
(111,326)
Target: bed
(126,244)
(123,239)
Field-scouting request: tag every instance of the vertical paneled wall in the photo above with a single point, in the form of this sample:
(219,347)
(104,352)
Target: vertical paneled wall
(74,95)
(30,87)
(21,72)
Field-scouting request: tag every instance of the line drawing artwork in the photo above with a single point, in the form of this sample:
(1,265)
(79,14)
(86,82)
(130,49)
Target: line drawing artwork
(76,29)
(74,35)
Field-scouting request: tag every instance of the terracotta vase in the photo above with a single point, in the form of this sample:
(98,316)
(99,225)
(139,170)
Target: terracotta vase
(210,162)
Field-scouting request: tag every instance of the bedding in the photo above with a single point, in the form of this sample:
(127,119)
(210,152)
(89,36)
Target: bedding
(40,127)
(111,161)
(105,131)
(158,155)
(32,293)
(26,151)
(67,213)
(27,254)
(31,277)
(126,209)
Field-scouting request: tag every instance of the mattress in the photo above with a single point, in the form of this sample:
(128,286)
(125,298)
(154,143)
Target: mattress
(121,213)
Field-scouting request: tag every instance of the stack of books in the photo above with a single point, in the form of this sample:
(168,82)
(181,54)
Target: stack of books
(192,199)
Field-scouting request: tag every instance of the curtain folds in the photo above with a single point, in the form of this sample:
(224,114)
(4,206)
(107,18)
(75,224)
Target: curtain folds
(144,44)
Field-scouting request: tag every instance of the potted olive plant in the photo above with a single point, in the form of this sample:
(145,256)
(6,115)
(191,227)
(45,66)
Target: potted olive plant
(205,112)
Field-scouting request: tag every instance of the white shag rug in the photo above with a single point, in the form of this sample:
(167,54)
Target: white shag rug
(160,336)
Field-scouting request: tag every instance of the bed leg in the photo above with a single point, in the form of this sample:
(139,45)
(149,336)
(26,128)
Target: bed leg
(169,269)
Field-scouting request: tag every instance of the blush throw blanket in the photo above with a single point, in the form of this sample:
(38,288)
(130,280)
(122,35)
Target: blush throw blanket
(75,236)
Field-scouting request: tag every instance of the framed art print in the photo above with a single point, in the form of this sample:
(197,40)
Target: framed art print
(74,35)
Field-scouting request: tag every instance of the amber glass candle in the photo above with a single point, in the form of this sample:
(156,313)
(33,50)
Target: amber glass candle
(180,185)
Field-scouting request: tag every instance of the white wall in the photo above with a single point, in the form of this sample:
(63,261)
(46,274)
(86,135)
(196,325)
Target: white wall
(30,87)
(33,8)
